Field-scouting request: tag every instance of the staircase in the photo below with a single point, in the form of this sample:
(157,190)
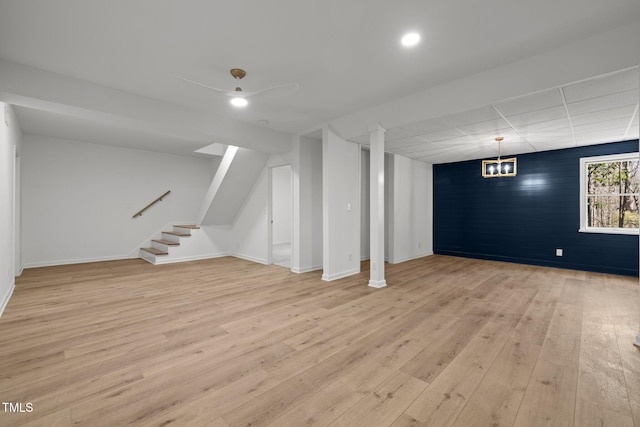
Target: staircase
(161,247)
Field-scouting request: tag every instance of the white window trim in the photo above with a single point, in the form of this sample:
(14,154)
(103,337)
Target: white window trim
(584,161)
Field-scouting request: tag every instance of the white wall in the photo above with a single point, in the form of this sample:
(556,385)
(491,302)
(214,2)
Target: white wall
(341,206)
(281,204)
(411,217)
(250,230)
(408,208)
(249,235)
(18,209)
(79,198)
(234,186)
(365,204)
(307,205)
(10,145)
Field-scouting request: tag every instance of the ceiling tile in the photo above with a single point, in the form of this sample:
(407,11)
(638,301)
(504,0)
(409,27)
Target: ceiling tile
(601,86)
(603,116)
(481,153)
(428,146)
(538,116)
(606,102)
(427,126)
(405,142)
(460,141)
(609,125)
(633,132)
(397,133)
(476,115)
(547,140)
(493,125)
(442,135)
(553,144)
(516,148)
(509,136)
(598,138)
(546,126)
(533,102)
(445,157)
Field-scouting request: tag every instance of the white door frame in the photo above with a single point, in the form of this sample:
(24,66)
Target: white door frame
(270,209)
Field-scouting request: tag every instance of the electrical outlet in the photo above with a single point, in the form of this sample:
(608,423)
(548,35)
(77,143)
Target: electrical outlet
(350,257)
(349,207)
(559,252)
(419,244)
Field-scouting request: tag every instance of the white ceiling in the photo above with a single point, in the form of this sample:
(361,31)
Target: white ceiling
(598,110)
(345,55)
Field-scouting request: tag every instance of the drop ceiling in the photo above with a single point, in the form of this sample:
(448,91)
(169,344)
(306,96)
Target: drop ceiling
(595,111)
(104,72)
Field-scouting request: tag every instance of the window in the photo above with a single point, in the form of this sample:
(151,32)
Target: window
(609,190)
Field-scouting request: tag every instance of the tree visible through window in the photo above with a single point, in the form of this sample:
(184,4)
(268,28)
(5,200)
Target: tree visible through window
(612,192)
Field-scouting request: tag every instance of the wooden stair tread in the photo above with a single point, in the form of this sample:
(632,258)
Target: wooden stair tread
(191,227)
(155,251)
(166,242)
(177,233)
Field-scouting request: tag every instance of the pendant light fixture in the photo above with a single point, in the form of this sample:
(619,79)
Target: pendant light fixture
(499,167)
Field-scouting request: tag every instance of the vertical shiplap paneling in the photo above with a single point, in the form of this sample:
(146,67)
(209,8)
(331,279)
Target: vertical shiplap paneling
(526,217)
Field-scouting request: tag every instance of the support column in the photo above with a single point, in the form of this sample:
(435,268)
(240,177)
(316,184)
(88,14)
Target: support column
(376,139)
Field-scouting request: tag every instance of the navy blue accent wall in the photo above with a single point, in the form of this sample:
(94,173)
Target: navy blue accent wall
(525,218)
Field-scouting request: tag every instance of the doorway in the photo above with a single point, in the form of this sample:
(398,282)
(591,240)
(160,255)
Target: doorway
(281,215)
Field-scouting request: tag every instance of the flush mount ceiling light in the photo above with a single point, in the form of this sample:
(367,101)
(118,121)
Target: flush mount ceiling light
(239,98)
(499,167)
(239,101)
(410,39)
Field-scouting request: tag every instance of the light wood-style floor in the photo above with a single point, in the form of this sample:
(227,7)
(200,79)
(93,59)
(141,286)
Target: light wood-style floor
(227,342)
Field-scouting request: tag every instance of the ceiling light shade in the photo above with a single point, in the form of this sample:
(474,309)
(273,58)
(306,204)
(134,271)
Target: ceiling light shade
(410,39)
(239,101)
(499,167)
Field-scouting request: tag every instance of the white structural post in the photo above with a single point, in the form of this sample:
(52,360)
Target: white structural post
(376,139)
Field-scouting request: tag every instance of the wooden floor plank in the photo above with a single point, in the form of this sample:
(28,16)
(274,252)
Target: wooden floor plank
(385,404)
(227,342)
(601,377)
(321,408)
(589,414)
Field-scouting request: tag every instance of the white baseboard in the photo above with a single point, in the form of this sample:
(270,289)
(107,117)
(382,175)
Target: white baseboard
(410,258)
(307,269)
(336,276)
(281,243)
(250,258)
(78,261)
(377,284)
(20,270)
(7,297)
(161,260)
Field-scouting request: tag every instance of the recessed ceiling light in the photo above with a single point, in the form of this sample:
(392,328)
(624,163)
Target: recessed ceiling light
(410,39)
(239,101)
